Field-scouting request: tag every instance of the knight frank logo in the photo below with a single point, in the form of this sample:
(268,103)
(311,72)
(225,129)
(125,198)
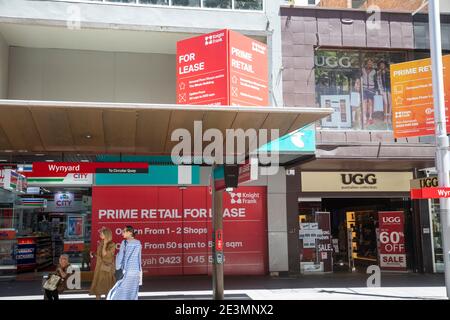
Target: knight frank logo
(214,38)
(244,197)
(208,40)
(236,198)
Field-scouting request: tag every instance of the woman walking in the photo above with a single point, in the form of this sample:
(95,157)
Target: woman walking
(128,266)
(60,284)
(104,269)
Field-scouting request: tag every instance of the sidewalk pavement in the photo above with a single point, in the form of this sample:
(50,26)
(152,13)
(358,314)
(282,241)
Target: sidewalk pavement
(336,286)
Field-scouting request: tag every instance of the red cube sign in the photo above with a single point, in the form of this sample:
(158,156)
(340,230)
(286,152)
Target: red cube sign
(222,68)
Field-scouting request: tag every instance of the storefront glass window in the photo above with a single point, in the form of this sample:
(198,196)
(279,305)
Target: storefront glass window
(437,236)
(248,4)
(222,4)
(186,3)
(356,84)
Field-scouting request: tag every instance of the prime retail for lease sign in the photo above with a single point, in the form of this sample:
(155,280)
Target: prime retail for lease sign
(222,68)
(175,229)
(392,241)
(412,97)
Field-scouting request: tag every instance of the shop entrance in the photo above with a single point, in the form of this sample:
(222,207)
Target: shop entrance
(354,231)
(54,221)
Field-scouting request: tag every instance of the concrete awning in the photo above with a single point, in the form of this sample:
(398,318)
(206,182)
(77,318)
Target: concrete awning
(90,127)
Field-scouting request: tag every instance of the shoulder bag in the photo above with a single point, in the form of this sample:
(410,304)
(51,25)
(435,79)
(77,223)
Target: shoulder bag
(52,282)
(119,272)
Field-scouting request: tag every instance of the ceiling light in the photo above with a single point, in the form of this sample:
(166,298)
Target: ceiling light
(88,136)
(3,160)
(49,160)
(39,154)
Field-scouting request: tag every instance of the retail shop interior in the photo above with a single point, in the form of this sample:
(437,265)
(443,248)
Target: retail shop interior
(47,222)
(345,233)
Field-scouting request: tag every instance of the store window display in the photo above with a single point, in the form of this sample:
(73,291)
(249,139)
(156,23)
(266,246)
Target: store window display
(438,252)
(356,84)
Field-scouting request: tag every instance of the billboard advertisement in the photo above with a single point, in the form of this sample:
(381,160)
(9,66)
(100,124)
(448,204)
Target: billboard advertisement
(412,97)
(175,228)
(392,241)
(222,68)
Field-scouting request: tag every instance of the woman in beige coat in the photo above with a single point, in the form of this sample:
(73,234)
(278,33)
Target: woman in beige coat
(104,278)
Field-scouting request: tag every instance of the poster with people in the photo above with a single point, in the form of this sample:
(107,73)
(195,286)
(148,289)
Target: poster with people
(357,84)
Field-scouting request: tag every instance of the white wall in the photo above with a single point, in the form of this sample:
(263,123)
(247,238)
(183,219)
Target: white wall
(445,6)
(4,54)
(75,75)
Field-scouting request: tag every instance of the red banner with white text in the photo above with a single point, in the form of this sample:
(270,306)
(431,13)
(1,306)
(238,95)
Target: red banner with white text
(175,228)
(392,240)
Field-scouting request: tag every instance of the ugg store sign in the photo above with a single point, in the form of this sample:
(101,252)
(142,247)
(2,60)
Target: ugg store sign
(356,181)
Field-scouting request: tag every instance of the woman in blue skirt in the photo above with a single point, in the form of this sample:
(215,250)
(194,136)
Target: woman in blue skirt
(129,261)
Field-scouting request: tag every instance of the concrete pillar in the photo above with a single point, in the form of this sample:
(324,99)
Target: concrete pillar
(277,222)
(275,54)
(4,65)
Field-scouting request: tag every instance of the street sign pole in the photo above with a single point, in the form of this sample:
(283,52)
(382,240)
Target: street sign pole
(442,143)
(217,243)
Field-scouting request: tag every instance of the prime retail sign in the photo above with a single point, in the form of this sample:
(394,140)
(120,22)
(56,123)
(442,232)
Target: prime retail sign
(222,68)
(175,228)
(412,97)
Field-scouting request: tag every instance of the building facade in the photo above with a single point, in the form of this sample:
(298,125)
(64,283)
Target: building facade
(122,53)
(339,58)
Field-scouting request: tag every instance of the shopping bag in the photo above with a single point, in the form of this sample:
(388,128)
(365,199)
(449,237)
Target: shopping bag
(378,103)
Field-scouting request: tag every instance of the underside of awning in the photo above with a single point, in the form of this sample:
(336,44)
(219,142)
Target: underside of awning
(102,128)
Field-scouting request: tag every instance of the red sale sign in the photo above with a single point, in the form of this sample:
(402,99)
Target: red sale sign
(392,241)
(175,228)
(222,68)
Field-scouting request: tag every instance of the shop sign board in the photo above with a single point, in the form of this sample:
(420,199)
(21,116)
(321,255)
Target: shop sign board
(300,141)
(64,202)
(316,244)
(356,181)
(157,175)
(430,193)
(7,234)
(175,227)
(13,181)
(412,97)
(31,203)
(74,246)
(427,182)
(222,68)
(392,252)
(69,179)
(247,172)
(61,169)
(324,241)
(428,188)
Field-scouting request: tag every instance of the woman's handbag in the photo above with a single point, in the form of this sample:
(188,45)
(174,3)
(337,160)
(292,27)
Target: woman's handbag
(119,274)
(52,283)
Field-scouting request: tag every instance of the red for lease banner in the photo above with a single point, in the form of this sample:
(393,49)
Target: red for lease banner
(392,241)
(175,228)
(222,68)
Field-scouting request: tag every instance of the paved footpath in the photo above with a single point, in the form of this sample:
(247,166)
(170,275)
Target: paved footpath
(345,286)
